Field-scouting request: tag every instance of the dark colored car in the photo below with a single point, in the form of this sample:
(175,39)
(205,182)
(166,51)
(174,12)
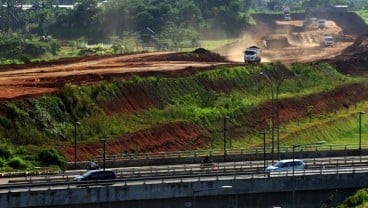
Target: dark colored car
(96,175)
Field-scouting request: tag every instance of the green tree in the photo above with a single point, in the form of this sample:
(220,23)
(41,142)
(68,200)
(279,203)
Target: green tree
(169,39)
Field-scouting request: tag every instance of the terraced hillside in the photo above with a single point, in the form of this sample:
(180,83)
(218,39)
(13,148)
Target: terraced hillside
(176,101)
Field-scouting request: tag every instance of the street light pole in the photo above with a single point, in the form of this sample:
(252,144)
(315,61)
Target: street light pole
(104,153)
(272,113)
(264,149)
(225,129)
(360,132)
(278,118)
(75,144)
(294,146)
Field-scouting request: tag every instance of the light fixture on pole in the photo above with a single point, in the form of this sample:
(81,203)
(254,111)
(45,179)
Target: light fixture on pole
(272,114)
(75,143)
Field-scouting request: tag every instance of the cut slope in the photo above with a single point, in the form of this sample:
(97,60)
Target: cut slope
(170,137)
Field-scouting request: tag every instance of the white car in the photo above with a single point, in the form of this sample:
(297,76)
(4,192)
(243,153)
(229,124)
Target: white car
(286,165)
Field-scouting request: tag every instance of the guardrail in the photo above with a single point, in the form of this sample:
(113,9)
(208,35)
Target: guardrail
(229,151)
(208,176)
(198,170)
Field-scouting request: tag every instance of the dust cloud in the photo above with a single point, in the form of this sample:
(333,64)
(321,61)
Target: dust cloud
(287,41)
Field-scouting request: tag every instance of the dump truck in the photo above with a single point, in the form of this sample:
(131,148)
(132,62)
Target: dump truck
(286,10)
(327,41)
(321,23)
(252,55)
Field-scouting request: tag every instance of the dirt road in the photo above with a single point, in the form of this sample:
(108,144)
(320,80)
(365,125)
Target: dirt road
(288,42)
(46,79)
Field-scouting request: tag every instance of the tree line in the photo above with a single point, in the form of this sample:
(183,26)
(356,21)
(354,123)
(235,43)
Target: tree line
(168,24)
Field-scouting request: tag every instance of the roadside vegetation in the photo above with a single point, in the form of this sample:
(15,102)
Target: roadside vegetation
(363,14)
(31,126)
(358,200)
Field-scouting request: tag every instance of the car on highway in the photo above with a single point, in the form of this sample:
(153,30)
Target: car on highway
(286,165)
(96,175)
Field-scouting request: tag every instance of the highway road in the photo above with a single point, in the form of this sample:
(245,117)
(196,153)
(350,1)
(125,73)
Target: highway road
(187,173)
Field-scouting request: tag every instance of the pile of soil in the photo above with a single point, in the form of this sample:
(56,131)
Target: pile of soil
(353,60)
(199,55)
(278,43)
(360,45)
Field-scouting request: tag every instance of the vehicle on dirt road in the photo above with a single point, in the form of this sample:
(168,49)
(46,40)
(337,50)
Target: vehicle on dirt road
(327,41)
(321,23)
(252,55)
(287,15)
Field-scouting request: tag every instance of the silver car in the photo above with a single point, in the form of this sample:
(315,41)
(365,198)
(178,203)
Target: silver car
(286,165)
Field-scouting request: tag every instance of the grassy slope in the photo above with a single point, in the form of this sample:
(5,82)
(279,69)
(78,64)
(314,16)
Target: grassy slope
(363,14)
(202,99)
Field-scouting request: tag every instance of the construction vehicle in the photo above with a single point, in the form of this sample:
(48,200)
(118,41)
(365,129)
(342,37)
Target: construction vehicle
(286,10)
(252,55)
(321,23)
(327,41)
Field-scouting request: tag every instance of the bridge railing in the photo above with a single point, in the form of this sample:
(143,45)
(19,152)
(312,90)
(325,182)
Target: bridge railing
(208,176)
(229,151)
(243,167)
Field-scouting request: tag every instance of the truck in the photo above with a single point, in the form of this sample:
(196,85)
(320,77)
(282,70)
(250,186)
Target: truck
(252,55)
(327,41)
(321,23)
(286,10)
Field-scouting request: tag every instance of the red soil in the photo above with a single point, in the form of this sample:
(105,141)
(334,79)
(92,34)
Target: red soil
(41,78)
(169,137)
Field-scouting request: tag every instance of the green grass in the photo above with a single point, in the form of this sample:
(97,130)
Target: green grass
(49,120)
(363,14)
(358,200)
(214,44)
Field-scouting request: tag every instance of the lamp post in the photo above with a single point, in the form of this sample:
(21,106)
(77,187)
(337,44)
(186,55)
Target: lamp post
(75,143)
(225,129)
(272,114)
(360,132)
(197,191)
(294,146)
(104,153)
(278,117)
(264,149)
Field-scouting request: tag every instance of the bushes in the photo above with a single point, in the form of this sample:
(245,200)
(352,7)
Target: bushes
(359,199)
(5,152)
(17,163)
(51,157)
(13,46)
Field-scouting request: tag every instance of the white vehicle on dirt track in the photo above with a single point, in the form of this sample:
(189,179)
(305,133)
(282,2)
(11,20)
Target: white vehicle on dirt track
(252,55)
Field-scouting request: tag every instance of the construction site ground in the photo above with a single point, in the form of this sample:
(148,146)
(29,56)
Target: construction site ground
(288,42)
